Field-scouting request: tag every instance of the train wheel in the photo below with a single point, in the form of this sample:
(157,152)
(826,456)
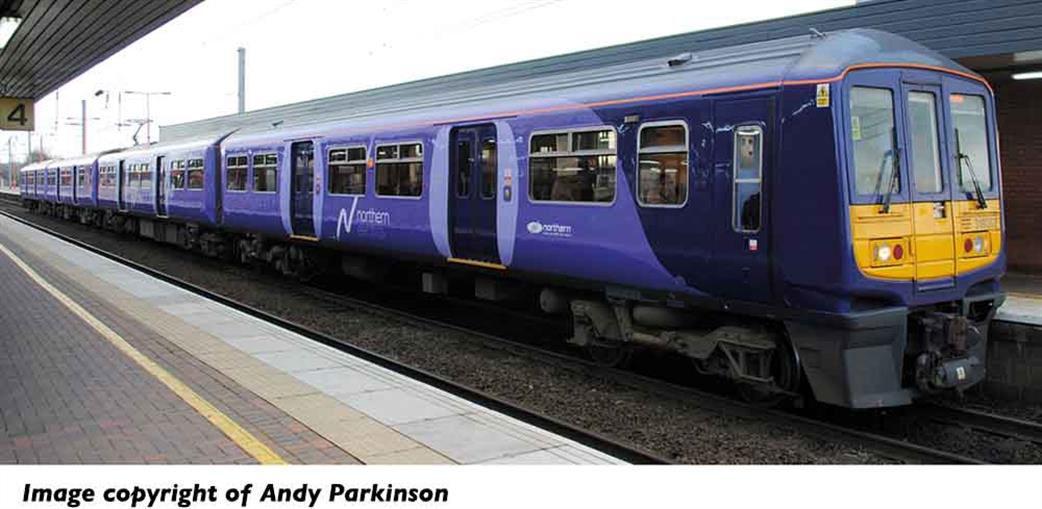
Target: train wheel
(785,371)
(609,353)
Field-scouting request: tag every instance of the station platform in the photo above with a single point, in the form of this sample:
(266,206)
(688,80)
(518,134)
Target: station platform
(100,363)
(1023,299)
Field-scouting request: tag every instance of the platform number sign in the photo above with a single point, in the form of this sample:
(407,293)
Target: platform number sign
(16,114)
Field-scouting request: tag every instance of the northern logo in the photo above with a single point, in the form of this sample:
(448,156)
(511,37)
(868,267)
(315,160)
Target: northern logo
(549,230)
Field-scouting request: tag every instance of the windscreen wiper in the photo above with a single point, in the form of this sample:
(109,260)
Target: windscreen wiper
(960,157)
(895,170)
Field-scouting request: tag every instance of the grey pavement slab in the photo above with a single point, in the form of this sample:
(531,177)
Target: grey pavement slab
(466,440)
(259,344)
(396,406)
(294,361)
(342,381)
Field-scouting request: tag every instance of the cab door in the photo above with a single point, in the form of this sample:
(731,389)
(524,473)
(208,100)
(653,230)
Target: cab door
(742,166)
(933,244)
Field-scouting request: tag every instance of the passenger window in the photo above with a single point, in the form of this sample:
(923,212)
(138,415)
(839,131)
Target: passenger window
(399,170)
(347,171)
(488,168)
(872,133)
(236,166)
(663,165)
(146,176)
(265,173)
(971,141)
(177,174)
(748,174)
(926,158)
(195,174)
(573,167)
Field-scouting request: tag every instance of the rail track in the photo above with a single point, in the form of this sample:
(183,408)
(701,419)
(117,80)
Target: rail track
(885,446)
(982,421)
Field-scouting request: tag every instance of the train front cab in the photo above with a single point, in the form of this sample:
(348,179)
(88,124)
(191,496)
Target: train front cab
(919,148)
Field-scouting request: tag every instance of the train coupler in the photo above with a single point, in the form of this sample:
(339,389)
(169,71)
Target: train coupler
(950,358)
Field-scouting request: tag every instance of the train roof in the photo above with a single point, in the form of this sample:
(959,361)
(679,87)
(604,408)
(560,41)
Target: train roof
(161,148)
(807,57)
(75,161)
(36,166)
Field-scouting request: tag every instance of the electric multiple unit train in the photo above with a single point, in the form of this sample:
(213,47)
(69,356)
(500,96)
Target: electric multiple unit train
(815,213)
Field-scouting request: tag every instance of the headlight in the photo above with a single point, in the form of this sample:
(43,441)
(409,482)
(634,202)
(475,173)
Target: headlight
(975,244)
(883,252)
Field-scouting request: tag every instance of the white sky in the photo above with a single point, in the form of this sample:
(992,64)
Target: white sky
(304,49)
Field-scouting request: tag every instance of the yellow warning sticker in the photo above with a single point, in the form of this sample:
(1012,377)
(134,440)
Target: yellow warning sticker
(855,127)
(823,95)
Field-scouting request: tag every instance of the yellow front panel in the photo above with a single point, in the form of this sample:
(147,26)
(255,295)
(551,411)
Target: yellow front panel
(934,245)
(971,221)
(933,233)
(868,224)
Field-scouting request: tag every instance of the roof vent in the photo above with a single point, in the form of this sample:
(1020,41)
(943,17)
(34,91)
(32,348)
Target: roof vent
(680,59)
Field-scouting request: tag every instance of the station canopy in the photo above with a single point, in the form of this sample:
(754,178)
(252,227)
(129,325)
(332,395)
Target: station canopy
(46,43)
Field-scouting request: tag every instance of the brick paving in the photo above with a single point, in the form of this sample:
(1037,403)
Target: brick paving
(68,396)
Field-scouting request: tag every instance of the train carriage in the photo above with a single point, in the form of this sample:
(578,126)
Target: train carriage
(819,212)
(80,191)
(32,181)
(187,180)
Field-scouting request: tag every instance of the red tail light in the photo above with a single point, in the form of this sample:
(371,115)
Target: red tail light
(899,252)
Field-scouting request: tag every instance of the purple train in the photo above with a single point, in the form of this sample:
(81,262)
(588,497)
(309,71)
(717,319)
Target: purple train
(814,213)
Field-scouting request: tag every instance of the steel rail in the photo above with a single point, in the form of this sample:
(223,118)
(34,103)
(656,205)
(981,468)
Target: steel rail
(1020,429)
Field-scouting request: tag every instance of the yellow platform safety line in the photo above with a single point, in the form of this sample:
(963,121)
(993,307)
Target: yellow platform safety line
(478,263)
(244,439)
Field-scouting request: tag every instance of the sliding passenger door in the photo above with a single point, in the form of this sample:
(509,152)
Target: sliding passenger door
(302,194)
(472,190)
(121,185)
(160,187)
